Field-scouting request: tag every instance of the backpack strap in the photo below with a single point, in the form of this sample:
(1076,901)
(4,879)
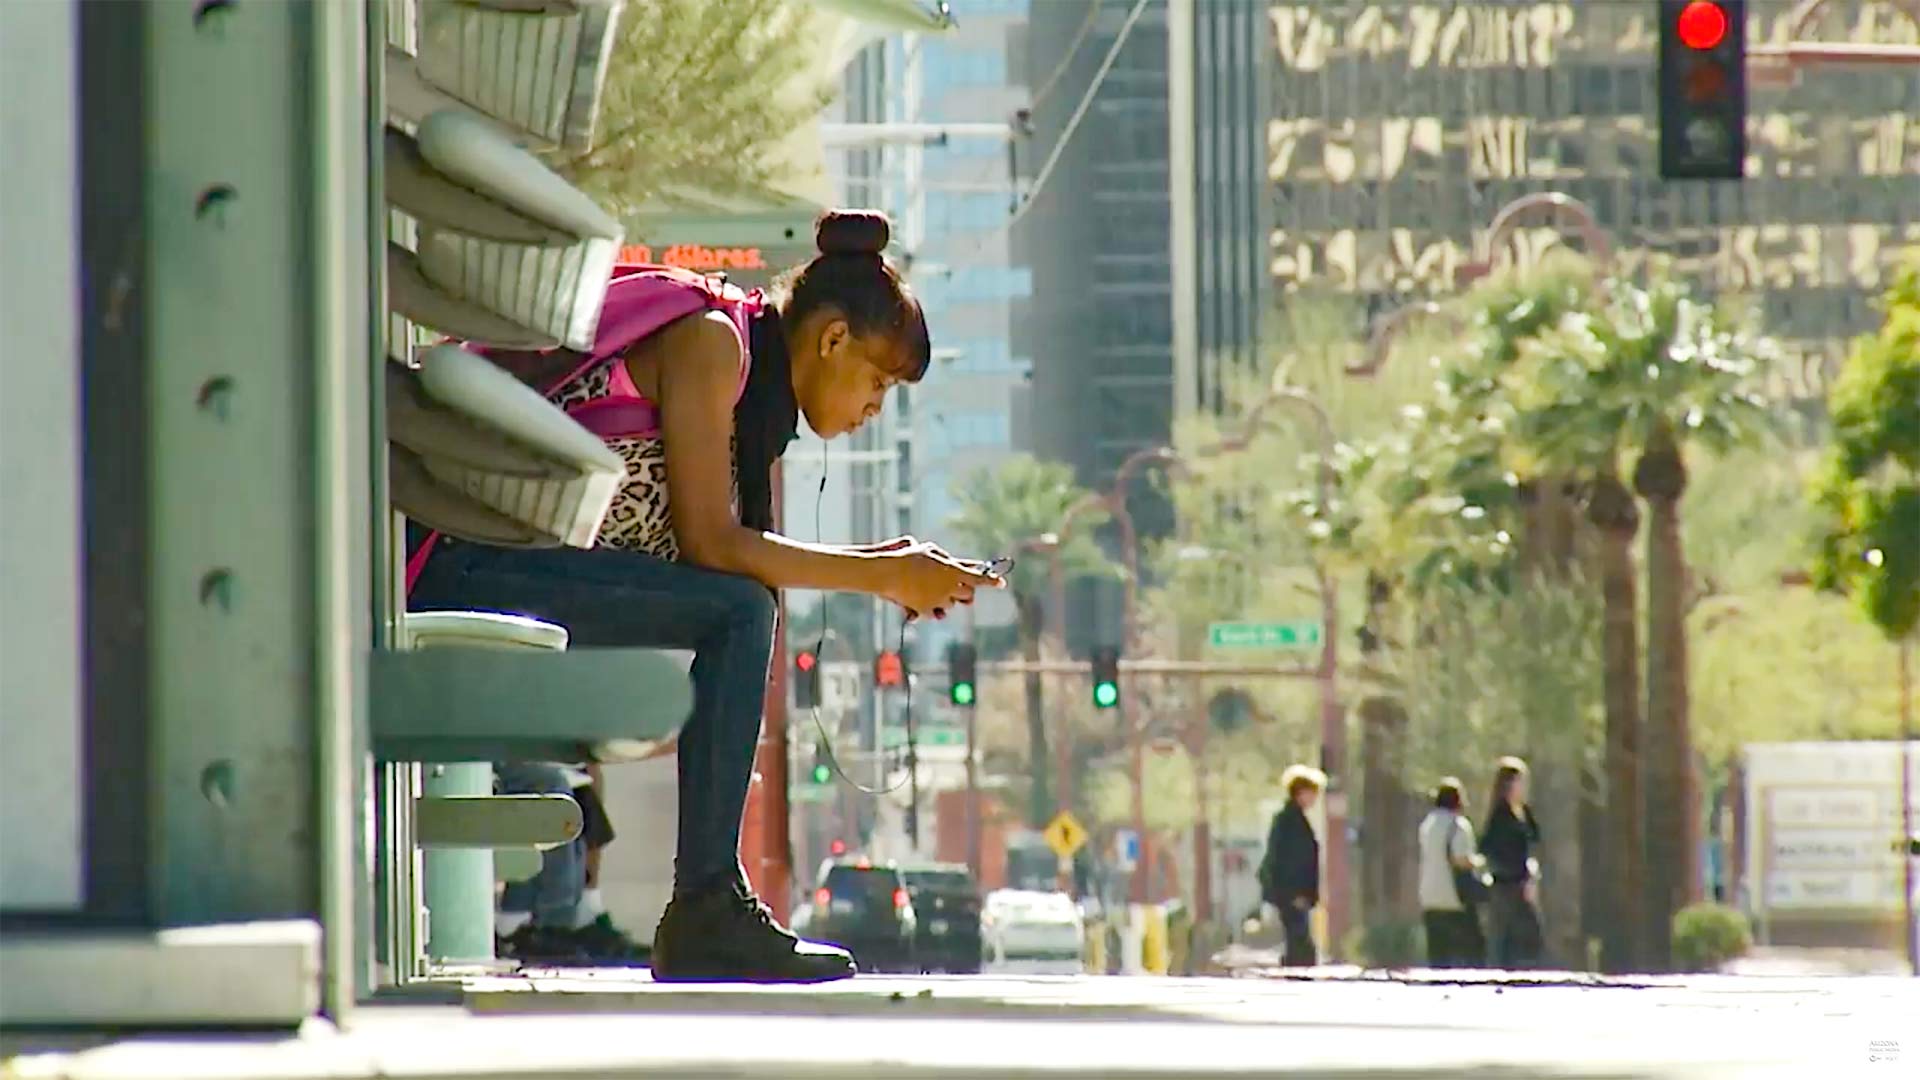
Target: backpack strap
(641,300)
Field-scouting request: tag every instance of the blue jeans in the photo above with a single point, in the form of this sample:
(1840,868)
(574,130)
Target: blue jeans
(553,895)
(622,599)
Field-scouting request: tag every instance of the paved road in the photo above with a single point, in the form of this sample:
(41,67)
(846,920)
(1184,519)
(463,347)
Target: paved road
(1335,1025)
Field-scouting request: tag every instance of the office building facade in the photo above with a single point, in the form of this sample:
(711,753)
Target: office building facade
(1398,131)
(1098,239)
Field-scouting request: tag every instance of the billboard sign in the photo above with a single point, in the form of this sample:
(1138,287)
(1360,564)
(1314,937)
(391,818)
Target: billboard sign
(1826,828)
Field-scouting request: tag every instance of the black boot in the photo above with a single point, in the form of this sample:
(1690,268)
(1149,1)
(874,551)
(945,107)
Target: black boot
(729,935)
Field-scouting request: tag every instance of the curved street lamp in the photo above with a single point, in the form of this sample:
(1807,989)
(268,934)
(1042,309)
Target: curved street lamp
(1332,719)
(1780,65)
(1549,205)
(1389,326)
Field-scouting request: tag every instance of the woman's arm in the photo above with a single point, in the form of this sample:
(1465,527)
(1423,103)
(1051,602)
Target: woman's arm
(696,420)
(1460,845)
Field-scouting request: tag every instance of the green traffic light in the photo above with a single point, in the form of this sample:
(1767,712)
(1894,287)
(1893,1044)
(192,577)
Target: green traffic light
(963,693)
(821,774)
(1106,694)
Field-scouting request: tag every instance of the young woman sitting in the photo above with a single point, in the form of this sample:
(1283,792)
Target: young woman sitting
(688,558)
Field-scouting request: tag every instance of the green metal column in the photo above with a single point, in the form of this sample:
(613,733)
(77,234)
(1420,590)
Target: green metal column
(459,881)
(254,282)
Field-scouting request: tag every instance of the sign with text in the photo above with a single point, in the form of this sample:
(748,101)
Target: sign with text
(696,257)
(1825,826)
(1291,634)
(1839,849)
(1838,890)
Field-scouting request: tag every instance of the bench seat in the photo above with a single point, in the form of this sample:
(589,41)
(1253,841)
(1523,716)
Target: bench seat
(500,705)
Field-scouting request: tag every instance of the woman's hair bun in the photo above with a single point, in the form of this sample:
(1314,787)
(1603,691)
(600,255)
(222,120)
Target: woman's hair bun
(852,232)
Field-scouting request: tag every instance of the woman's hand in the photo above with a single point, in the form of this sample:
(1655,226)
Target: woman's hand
(926,580)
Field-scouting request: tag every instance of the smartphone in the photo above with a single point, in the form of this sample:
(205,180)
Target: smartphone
(1000,567)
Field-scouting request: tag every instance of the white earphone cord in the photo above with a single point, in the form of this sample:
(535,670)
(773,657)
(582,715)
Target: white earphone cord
(819,655)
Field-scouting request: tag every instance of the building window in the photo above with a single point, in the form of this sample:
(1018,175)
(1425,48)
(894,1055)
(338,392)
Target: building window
(942,68)
(954,431)
(1007,8)
(977,285)
(949,212)
(985,356)
(962,159)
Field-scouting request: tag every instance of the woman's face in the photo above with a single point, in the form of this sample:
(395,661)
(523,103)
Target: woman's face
(845,380)
(1306,798)
(1517,794)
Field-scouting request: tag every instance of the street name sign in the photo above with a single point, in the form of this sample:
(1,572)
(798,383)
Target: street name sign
(1291,634)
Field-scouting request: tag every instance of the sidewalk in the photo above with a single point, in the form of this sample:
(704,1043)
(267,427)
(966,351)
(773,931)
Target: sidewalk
(616,1024)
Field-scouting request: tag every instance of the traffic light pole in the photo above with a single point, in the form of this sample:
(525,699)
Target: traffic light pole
(913,782)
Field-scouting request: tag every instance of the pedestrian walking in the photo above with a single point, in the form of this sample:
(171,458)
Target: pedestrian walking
(1290,871)
(1451,889)
(1513,922)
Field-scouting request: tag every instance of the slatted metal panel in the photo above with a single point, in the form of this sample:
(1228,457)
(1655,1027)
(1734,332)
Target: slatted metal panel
(536,71)
(556,291)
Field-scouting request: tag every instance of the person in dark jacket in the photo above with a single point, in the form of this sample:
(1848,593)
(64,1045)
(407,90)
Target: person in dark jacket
(1290,872)
(1508,843)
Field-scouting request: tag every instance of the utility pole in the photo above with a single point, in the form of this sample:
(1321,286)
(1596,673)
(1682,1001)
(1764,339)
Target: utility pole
(913,778)
(1906,799)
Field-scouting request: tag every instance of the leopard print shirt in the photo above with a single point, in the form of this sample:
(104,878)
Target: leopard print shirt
(640,518)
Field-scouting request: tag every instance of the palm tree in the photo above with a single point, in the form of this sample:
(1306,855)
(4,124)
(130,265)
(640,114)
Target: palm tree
(1001,508)
(1453,512)
(1652,372)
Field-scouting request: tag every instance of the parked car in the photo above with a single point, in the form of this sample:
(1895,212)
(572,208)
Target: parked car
(946,909)
(864,907)
(1033,932)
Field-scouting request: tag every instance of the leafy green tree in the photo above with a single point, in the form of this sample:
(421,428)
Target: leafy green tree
(1003,508)
(1783,664)
(1870,489)
(700,96)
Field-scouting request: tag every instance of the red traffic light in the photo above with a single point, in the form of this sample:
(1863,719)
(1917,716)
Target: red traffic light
(838,847)
(805,661)
(1702,25)
(888,670)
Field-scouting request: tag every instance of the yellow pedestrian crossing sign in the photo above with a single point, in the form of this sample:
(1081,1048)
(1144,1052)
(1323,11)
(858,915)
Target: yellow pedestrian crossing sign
(1064,835)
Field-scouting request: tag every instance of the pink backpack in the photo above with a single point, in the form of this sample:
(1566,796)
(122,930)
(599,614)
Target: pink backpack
(640,300)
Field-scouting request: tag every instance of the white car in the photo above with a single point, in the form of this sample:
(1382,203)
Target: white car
(1038,933)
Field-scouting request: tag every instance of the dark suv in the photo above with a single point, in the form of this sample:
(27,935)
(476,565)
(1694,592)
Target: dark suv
(865,909)
(946,908)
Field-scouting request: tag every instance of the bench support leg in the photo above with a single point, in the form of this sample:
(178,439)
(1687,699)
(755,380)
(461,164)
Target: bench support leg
(459,881)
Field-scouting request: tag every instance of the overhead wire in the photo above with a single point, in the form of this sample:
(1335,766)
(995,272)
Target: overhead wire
(1045,173)
(1073,49)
